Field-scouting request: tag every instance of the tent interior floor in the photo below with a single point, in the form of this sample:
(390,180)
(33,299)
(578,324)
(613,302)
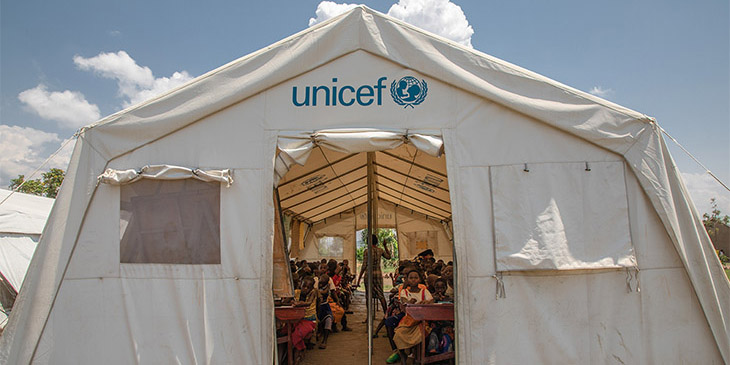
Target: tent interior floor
(352,347)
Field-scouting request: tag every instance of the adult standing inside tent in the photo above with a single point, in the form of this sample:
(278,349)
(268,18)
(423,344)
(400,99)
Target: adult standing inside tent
(378,252)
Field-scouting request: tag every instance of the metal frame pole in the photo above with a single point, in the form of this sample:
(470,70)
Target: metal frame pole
(371,231)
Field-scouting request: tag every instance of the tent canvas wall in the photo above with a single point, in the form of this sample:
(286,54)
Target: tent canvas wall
(561,298)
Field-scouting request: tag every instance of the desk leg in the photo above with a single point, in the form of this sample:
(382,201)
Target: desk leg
(423,342)
(289,352)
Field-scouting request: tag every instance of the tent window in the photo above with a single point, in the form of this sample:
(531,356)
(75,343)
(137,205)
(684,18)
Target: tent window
(170,222)
(561,216)
(331,246)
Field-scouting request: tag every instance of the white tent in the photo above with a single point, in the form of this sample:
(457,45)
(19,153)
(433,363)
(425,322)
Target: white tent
(575,239)
(22,218)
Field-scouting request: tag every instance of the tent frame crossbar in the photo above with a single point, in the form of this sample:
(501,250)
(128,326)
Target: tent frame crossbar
(443,216)
(409,177)
(414,163)
(351,201)
(325,182)
(416,190)
(291,207)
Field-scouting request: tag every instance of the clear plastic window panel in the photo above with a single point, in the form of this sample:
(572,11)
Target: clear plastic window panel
(331,246)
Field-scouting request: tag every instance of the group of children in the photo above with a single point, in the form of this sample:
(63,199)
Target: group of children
(421,281)
(324,290)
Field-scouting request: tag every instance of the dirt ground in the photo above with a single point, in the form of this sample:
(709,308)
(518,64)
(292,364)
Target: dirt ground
(352,347)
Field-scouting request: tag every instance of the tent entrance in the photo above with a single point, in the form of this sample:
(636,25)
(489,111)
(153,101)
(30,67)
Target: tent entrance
(329,189)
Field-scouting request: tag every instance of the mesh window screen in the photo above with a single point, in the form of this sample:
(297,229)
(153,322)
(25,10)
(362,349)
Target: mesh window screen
(331,246)
(170,222)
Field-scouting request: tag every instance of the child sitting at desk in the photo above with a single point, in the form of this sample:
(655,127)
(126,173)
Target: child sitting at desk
(305,297)
(408,332)
(324,311)
(439,293)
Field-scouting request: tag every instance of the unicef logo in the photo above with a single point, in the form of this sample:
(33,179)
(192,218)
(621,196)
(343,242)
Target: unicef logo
(408,91)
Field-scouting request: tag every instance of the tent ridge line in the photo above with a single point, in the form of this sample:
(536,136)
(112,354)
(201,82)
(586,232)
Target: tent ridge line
(281,43)
(518,70)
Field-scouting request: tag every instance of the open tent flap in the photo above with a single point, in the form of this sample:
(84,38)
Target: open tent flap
(296,147)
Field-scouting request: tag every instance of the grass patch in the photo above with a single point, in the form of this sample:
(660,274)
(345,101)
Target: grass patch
(727,272)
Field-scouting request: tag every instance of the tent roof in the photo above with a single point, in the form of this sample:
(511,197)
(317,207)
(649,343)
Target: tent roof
(334,182)
(607,124)
(24,213)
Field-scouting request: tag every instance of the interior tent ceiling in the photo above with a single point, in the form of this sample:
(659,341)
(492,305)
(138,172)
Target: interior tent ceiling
(331,182)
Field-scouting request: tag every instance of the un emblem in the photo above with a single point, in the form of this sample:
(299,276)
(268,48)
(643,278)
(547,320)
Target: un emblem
(408,91)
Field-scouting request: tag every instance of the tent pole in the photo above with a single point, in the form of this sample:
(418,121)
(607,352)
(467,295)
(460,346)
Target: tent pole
(371,231)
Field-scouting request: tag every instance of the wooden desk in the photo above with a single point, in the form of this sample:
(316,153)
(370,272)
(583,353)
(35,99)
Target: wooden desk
(430,312)
(289,315)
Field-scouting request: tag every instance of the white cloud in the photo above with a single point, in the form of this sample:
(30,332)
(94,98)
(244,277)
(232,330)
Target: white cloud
(23,149)
(329,9)
(702,187)
(437,16)
(136,83)
(69,108)
(159,86)
(601,92)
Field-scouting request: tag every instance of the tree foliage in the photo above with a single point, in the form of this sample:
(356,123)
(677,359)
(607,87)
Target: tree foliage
(47,186)
(712,221)
(382,233)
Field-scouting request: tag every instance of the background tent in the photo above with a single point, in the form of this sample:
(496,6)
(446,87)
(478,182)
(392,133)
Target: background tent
(22,218)
(558,200)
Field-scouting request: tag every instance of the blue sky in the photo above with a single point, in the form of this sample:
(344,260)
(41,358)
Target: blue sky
(667,59)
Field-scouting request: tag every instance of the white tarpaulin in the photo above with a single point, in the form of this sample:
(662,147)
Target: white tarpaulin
(80,304)
(23,213)
(22,218)
(16,250)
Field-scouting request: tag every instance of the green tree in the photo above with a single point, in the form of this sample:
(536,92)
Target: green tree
(712,221)
(383,234)
(52,181)
(34,187)
(48,186)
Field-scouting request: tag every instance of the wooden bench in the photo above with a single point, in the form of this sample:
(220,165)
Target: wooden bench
(430,312)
